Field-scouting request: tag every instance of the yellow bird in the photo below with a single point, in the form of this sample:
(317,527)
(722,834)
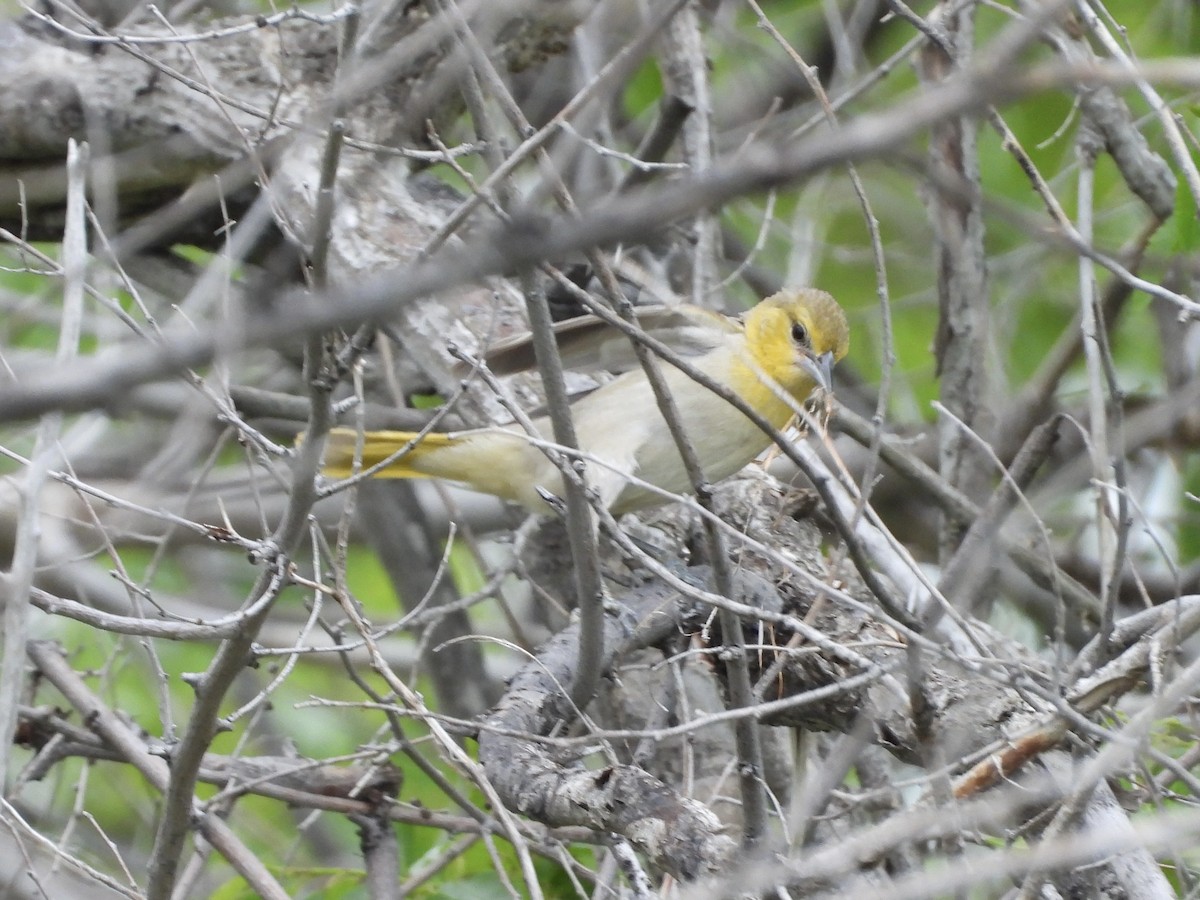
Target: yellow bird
(772,355)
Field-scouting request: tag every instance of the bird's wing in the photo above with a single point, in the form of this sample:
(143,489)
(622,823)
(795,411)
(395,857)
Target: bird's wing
(587,343)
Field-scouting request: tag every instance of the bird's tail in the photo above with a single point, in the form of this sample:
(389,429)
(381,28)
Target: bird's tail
(342,451)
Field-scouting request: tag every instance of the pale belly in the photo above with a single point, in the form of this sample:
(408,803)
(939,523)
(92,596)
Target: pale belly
(725,441)
(626,437)
(642,445)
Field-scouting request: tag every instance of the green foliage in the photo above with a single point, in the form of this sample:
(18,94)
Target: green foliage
(464,569)
(369,582)
(1181,233)
(1188,532)
(643,91)
(474,887)
(426,401)
(1185,222)
(326,882)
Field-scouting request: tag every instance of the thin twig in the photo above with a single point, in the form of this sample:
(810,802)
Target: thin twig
(118,735)
(46,455)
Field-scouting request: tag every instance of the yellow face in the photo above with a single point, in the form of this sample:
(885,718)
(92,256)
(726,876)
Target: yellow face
(796,336)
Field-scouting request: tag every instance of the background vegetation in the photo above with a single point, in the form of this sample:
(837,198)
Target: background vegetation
(166,284)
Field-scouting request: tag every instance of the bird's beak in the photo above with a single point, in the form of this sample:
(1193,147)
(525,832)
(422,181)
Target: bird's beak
(820,368)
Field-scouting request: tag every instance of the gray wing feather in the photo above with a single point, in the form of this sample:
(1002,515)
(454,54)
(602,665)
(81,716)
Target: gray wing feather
(588,344)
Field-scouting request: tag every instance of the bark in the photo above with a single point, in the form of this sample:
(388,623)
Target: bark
(834,669)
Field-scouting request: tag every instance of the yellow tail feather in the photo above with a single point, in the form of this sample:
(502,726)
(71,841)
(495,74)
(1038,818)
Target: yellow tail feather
(342,449)
(494,461)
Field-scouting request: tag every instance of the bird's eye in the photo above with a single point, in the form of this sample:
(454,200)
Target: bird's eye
(799,333)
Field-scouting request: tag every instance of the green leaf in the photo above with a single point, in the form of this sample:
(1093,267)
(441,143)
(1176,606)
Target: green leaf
(1186,226)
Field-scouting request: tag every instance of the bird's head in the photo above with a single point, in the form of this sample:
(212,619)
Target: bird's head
(796,336)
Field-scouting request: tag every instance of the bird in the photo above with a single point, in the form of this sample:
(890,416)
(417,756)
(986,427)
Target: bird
(773,356)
